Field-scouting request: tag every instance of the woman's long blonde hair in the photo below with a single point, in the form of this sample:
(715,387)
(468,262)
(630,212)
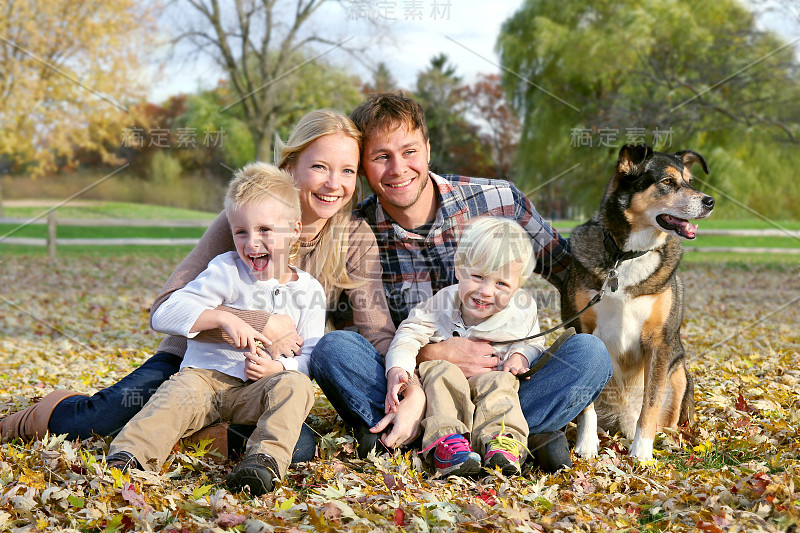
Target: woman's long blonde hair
(332,247)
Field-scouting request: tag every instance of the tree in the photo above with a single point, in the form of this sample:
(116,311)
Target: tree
(260,45)
(597,74)
(382,80)
(455,145)
(499,125)
(69,71)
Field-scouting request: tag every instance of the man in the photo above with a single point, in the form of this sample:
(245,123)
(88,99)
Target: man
(417,217)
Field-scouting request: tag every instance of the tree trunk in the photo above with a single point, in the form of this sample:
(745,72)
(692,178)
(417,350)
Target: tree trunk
(263,139)
(263,149)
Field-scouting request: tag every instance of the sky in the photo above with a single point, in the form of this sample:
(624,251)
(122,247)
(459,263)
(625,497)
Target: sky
(414,30)
(410,33)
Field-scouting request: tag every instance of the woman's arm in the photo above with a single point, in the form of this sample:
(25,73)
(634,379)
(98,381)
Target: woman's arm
(370,309)
(216,240)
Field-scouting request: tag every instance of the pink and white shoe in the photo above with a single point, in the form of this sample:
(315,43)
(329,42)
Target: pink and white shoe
(455,456)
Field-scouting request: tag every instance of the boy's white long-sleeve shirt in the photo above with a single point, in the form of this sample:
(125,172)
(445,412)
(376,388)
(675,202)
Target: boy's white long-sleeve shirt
(228,281)
(439,318)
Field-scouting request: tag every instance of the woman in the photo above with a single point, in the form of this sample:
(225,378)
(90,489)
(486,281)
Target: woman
(322,155)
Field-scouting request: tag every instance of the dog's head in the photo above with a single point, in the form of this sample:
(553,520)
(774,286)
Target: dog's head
(654,190)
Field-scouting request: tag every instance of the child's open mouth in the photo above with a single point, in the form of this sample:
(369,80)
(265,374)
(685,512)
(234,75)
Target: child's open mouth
(259,262)
(480,304)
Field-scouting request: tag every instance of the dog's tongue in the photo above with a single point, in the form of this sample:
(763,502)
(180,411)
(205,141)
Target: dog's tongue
(682,227)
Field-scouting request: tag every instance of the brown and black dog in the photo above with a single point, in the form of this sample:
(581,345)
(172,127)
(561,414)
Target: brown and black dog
(636,236)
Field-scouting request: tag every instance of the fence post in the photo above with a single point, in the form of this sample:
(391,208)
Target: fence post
(51,234)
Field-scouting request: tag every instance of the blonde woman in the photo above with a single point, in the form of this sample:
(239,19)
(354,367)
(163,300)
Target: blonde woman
(322,155)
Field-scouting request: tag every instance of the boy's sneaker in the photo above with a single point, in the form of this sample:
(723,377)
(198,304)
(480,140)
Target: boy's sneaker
(257,473)
(122,461)
(503,451)
(455,456)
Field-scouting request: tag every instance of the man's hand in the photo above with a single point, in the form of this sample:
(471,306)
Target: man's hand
(516,364)
(281,330)
(472,356)
(395,379)
(261,364)
(405,421)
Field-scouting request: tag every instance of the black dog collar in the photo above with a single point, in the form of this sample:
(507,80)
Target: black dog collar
(617,255)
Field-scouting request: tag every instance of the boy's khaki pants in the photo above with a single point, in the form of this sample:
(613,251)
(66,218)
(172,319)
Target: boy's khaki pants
(195,397)
(478,407)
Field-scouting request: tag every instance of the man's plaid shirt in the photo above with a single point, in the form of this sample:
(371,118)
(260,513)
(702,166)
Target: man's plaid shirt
(415,267)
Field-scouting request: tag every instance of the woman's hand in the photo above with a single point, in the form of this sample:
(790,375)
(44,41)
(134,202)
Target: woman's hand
(281,330)
(242,335)
(261,364)
(405,421)
(395,379)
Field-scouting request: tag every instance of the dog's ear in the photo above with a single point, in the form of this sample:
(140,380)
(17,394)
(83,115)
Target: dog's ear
(690,157)
(631,156)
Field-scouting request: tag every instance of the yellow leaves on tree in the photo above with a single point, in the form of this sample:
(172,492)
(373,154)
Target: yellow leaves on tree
(70,70)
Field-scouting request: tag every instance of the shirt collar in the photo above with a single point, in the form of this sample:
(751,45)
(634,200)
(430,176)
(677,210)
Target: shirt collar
(450,204)
(497,321)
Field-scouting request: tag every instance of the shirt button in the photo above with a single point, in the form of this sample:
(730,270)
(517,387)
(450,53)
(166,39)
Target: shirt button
(456,334)
(277,292)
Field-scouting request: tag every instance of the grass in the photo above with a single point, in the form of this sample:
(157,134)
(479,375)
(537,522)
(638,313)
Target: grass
(731,241)
(745,223)
(106,232)
(172,253)
(737,260)
(721,241)
(714,458)
(105,210)
(101,210)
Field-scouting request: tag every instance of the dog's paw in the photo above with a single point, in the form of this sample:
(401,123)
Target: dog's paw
(641,449)
(587,446)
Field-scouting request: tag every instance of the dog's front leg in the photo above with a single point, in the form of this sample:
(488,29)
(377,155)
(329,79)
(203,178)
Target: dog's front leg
(655,376)
(588,444)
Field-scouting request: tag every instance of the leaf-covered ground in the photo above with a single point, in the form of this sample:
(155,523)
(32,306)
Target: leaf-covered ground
(736,469)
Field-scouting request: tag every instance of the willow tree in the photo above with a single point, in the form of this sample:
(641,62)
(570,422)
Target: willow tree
(589,76)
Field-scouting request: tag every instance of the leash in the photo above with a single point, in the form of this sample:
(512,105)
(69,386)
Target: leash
(611,281)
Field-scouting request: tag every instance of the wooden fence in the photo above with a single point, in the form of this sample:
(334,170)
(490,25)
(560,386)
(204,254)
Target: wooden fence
(52,241)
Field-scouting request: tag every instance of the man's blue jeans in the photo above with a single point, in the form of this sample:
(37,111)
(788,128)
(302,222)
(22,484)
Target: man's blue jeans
(108,410)
(351,374)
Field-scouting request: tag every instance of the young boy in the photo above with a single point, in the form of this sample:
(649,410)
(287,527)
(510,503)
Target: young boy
(242,385)
(493,260)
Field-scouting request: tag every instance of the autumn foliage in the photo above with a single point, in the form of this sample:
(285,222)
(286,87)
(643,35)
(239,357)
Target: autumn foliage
(70,71)
(737,468)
